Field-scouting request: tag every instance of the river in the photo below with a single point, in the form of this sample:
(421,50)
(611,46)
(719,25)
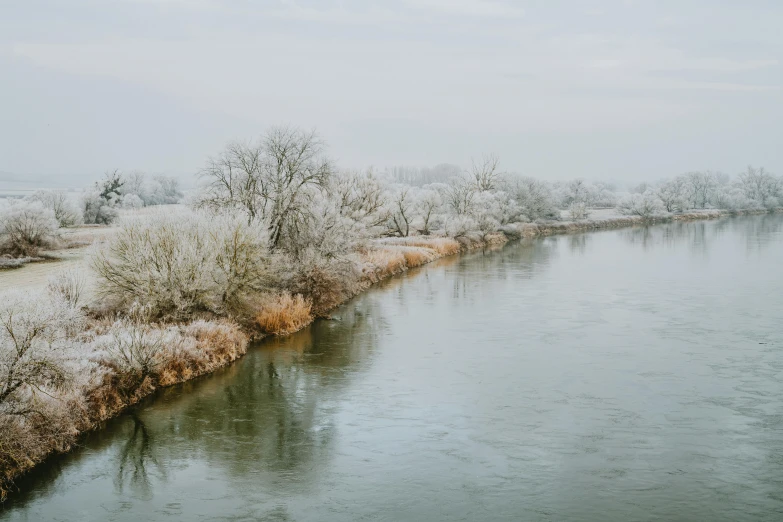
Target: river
(621,375)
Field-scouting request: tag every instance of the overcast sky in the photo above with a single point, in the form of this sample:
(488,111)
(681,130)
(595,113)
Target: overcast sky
(603,89)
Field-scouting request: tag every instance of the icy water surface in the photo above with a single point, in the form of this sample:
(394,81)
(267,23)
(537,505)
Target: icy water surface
(624,375)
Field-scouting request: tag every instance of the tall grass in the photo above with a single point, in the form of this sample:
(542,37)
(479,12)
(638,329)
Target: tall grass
(284,313)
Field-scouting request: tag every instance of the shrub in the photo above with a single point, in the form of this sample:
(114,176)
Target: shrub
(644,205)
(325,281)
(68,284)
(97,210)
(460,226)
(578,210)
(284,313)
(65,211)
(25,228)
(137,348)
(178,264)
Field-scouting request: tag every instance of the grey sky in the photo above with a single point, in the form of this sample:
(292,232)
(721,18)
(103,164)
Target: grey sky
(606,89)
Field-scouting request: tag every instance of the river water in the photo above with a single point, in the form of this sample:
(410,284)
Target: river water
(623,375)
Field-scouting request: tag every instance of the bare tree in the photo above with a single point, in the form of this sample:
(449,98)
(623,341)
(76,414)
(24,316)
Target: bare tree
(701,185)
(65,211)
(401,211)
(271,179)
(761,186)
(360,197)
(578,191)
(673,194)
(460,195)
(645,205)
(34,334)
(428,203)
(485,174)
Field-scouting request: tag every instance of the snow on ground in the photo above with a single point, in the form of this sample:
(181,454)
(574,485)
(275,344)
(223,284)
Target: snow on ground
(36,275)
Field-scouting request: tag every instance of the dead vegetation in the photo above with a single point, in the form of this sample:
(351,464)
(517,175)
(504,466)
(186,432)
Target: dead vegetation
(284,313)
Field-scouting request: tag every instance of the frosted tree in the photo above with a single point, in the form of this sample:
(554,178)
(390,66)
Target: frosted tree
(36,342)
(673,194)
(760,186)
(270,180)
(65,210)
(484,174)
(401,208)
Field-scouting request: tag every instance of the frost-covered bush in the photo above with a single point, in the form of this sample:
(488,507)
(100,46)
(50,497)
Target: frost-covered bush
(136,347)
(533,197)
(323,281)
(26,227)
(97,210)
(575,191)
(162,190)
(644,205)
(69,284)
(65,210)
(99,205)
(733,198)
(36,348)
(327,227)
(137,190)
(578,210)
(131,201)
(460,226)
(178,264)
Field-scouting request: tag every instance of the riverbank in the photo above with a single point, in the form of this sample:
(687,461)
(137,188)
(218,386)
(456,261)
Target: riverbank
(205,346)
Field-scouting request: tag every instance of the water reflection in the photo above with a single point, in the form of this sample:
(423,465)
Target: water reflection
(136,460)
(629,374)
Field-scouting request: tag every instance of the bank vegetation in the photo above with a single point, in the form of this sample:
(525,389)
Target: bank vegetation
(276,237)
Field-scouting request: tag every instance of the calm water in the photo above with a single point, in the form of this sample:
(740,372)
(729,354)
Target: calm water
(624,375)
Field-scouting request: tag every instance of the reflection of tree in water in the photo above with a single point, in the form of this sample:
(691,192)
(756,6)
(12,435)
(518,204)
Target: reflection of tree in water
(699,235)
(136,457)
(577,243)
(520,260)
(272,414)
(760,231)
(695,233)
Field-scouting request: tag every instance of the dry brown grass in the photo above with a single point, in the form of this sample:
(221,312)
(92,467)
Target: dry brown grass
(383,262)
(417,256)
(444,246)
(284,313)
